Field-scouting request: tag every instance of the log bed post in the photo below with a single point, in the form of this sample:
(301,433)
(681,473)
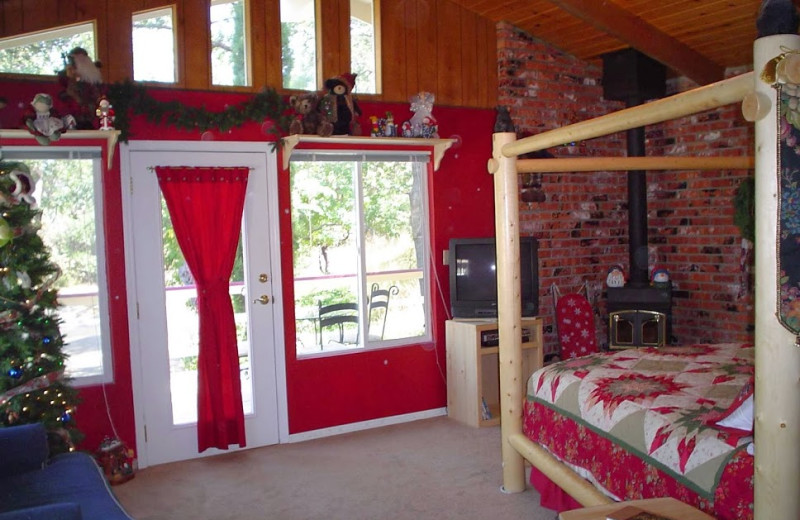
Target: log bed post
(506,216)
(777,390)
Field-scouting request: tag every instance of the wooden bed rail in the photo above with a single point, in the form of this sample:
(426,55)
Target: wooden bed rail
(715,95)
(561,474)
(594,164)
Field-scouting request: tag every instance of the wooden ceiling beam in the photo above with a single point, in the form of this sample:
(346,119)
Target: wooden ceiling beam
(622,24)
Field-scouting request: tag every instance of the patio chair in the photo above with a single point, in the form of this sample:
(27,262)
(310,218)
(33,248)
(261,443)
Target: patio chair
(340,316)
(379,305)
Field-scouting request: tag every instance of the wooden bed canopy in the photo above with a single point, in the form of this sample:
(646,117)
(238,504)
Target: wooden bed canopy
(777,361)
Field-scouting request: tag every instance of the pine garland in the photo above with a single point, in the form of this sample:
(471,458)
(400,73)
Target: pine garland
(129,98)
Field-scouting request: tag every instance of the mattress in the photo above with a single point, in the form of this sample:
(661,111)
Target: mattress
(642,423)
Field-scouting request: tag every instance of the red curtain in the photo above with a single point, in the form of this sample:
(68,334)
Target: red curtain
(205,205)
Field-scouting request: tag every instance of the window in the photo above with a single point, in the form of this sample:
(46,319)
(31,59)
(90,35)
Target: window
(67,193)
(363,45)
(229,62)
(154,46)
(299,44)
(359,225)
(44,53)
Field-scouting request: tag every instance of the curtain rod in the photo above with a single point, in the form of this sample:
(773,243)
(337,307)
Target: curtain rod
(153,168)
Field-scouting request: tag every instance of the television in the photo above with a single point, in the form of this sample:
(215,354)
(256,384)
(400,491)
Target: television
(473,277)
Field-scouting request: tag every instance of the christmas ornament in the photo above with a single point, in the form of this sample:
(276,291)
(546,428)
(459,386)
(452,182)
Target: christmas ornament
(6,233)
(15,372)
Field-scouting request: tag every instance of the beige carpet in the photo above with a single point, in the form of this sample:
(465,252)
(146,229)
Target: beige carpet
(433,468)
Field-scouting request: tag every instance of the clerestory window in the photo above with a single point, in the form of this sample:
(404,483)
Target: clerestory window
(360,250)
(45,52)
(153,35)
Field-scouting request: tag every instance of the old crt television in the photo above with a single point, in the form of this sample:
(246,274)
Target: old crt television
(473,277)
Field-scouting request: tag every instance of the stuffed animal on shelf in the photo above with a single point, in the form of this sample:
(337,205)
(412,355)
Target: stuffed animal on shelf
(308,119)
(81,80)
(422,123)
(340,105)
(43,121)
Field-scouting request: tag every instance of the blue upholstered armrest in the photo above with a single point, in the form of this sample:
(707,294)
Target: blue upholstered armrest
(22,449)
(60,511)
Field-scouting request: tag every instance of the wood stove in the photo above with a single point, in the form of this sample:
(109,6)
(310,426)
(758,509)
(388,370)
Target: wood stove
(639,314)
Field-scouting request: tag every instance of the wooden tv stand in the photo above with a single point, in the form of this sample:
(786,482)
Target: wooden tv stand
(473,379)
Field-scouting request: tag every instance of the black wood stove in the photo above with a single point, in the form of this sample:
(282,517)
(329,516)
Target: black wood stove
(639,314)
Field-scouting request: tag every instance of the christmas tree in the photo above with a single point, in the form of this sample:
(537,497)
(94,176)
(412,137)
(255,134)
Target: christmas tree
(32,383)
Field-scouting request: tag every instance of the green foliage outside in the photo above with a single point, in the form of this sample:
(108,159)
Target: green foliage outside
(45,57)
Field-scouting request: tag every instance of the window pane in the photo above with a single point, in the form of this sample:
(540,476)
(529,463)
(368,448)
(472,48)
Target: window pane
(394,231)
(69,229)
(154,46)
(299,44)
(359,240)
(362,45)
(228,48)
(324,230)
(44,52)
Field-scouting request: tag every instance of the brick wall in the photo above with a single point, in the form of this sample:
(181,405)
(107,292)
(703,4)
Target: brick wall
(582,224)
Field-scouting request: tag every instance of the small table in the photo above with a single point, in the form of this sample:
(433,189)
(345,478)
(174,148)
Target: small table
(665,506)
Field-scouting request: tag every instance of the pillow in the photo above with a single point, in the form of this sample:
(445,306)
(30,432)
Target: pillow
(738,418)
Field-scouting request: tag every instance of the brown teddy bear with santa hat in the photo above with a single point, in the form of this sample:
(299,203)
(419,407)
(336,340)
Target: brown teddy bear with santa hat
(340,105)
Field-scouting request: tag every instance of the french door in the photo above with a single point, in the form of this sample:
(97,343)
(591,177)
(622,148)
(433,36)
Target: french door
(163,311)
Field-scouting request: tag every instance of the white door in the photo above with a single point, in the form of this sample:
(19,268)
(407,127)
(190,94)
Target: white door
(164,318)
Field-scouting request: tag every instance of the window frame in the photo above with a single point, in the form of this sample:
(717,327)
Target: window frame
(247,42)
(62,31)
(95,154)
(423,160)
(148,13)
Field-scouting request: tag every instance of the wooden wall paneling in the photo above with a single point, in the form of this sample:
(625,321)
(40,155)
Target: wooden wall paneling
(334,23)
(271,53)
(394,55)
(257,41)
(67,12)
(449,86)
(487,63)
(44,15)
(194,42)
(427,65)
(115,45)
(470,55)
(411,29)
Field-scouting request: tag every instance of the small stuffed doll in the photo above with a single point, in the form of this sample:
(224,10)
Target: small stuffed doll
(42,120)
(422,123)
(308,119)
(340,106)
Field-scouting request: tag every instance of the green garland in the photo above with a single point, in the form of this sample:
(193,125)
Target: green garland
(129,98)
(744,208)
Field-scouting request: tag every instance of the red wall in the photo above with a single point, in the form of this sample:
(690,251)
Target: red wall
(322,392)
(582,225)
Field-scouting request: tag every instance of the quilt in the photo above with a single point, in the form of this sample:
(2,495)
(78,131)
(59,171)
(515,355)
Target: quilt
(656,404)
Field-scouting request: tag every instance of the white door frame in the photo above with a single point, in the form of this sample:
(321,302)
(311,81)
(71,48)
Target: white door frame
(275,259)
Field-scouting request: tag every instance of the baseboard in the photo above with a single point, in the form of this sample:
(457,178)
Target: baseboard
(366,425)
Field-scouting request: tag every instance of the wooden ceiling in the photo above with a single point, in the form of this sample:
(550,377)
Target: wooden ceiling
(695,38)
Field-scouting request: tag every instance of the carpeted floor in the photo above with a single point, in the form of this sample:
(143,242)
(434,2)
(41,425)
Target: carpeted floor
(433,468)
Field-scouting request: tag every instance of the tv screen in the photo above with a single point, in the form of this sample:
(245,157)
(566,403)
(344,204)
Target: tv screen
(473,277)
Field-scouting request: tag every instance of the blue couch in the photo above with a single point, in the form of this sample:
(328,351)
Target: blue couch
(66,487)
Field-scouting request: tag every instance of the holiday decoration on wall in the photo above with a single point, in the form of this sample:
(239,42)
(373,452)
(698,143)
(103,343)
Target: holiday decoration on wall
(44,122)
(32,383)
(130,98)
(340,106)
(105,114)
(81,82)
(422,123)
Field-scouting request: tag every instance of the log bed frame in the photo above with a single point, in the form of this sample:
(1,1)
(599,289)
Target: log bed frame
(777,360)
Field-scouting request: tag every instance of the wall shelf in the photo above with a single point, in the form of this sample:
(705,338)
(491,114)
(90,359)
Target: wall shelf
(110,136)
(439,145)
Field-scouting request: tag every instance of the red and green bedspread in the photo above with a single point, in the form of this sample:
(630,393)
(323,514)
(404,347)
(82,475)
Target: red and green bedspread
(636,423)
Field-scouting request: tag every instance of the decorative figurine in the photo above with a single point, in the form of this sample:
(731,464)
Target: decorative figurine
(105,112)
(341,106)
(422,123)
(660,278)
(42,121)
(615,277)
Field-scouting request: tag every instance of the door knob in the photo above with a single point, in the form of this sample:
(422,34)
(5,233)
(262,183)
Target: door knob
(263,299)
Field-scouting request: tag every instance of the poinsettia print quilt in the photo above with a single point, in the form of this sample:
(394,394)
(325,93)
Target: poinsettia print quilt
(654,408)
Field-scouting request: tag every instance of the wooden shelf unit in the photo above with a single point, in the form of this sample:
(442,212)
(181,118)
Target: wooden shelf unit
(473,370)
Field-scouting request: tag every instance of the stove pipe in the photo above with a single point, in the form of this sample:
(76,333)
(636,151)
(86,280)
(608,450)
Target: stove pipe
(632,77)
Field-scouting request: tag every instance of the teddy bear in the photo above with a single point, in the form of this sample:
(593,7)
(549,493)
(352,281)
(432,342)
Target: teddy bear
(340,105)
(308,119)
